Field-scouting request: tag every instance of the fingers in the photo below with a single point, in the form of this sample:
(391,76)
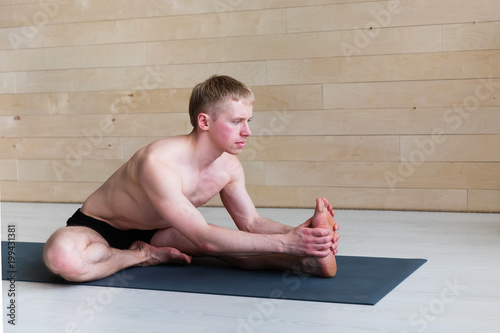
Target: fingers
(323,246)
(320,250)
(317,239)
(334,247)
(335,244)
(315,231)
(320,235)
(322,254)
(326,244)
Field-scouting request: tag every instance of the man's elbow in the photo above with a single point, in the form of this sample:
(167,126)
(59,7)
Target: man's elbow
(206,247)
(249,226)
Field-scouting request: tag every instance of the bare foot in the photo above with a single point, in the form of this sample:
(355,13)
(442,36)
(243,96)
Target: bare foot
(160,255)
(326,266)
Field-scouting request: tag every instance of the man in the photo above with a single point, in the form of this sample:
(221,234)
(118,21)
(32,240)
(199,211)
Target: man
(146,212)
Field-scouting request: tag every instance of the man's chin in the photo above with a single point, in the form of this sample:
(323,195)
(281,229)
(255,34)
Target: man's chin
(234,151)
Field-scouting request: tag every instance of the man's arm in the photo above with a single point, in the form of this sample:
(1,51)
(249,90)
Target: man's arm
(163,185)
(242,209)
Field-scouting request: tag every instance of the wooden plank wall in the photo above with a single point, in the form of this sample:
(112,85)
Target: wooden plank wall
(373,104)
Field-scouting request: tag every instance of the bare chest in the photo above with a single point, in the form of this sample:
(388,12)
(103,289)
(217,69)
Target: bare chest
(200,188)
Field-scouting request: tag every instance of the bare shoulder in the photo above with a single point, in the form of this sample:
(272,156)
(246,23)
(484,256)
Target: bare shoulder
(160,156)
(163,150)
(163,147)
(232,165)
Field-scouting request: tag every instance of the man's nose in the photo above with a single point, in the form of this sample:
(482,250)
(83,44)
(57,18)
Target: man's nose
(246,129)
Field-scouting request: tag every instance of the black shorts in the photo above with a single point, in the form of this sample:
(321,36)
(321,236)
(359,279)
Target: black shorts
(120,239)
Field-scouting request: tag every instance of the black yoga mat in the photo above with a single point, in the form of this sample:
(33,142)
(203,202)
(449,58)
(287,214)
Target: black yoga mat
(359,280)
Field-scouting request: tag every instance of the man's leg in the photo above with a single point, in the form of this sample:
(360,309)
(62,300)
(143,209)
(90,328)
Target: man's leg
(81,254)
(325,267)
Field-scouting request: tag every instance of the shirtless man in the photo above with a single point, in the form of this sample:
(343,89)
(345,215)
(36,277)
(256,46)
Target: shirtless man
(146,212)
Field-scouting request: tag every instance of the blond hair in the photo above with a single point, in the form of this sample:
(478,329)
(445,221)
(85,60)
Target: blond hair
(209,95)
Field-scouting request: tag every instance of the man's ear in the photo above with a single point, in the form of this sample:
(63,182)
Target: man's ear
(203,121)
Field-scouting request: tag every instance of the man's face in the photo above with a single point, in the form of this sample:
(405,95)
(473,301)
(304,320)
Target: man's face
(231,129)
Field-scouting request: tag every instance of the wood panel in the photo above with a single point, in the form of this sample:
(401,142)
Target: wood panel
(92,147)
(472,92)
(306,45)
(483,200)
(129,78)
(446,120)
(139,100)
(74,170)
(375,103)
(460,148)
(479,36)
(364,198)
(24,104)
(8,168)
(254,172)
(92,56)
(144,29)
(288,97)
(390,14)
(39,191)
(322,148)
(403,67)
(23,13)
(406,174)
(95,125)
(354,198)
(27,12)
(232,5)
(7,83)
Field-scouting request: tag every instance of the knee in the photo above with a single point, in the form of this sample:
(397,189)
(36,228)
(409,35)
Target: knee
(60,255)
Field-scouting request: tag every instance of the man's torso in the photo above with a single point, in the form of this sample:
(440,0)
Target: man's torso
(123,203)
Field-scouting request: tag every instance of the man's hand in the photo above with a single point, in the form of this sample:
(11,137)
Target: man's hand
(336,237)
(310,242)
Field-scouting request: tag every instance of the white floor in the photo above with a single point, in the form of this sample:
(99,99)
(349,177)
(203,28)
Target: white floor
(457,290)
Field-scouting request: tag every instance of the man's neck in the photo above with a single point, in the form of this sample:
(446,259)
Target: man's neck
(204,153)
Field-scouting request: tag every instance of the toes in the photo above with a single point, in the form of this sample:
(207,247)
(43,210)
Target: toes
(320,205)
